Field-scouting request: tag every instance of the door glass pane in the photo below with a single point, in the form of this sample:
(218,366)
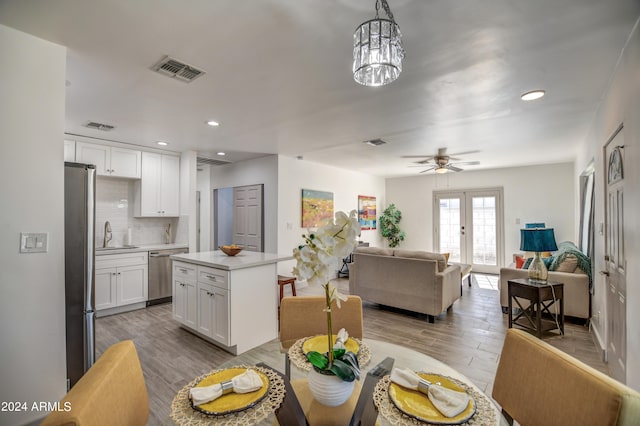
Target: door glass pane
(484,231)
(450,228)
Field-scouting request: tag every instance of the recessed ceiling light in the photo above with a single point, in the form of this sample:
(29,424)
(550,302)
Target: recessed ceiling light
(222,153)
(532,95)
(162,143)
(213,123)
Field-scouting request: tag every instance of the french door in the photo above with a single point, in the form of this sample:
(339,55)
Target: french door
(615,257)
(468,226)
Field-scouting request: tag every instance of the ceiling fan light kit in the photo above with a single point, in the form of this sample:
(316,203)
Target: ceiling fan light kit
(377,49)
(532,95)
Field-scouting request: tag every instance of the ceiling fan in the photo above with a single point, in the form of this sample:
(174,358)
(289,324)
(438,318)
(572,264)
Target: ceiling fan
(442,161)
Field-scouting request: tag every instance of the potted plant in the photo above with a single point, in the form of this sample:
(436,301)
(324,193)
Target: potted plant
(332,377)
(389,225)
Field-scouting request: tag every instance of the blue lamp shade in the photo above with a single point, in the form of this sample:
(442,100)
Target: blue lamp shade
(534,225)
(537,240)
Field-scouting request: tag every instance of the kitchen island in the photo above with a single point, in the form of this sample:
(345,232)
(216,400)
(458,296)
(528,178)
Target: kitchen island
(229,301)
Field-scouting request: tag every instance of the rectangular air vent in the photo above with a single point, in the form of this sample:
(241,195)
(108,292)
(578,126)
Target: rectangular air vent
(174,68)
(99,126)
(375,142)
(211,162)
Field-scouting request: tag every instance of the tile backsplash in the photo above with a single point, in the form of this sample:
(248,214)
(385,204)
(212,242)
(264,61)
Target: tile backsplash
(114,203)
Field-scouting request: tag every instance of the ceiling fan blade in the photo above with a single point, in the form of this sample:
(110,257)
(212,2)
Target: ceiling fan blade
(427,157)
(453,169)
(428,169)
(467,163)
(465,153)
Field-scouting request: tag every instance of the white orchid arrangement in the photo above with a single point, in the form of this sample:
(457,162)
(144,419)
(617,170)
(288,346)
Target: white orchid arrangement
(317,261)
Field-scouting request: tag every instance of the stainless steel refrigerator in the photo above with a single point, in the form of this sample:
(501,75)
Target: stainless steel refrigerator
(79,266)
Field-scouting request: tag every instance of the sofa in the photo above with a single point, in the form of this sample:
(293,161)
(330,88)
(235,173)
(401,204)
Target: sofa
(564,267)
(413,280)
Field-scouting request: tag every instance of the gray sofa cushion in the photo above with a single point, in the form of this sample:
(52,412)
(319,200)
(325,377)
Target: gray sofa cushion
(419,254)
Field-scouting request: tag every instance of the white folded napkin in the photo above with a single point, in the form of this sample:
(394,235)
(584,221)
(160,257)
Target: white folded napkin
(449,402)
(246,382)
(341,339)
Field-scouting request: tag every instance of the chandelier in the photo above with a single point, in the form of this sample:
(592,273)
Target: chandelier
(377,50)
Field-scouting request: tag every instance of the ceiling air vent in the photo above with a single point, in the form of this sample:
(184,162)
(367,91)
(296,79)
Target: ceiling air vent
(99,126)
(375,142)
(174,68)
(211,162)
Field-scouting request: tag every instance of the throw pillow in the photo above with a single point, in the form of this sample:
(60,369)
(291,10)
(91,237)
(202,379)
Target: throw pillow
(446,257)
(519,262)
(547,262)
(527,263)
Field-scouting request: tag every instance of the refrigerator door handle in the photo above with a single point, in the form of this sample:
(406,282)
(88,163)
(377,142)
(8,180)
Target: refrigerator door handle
(90,246)
(89,342)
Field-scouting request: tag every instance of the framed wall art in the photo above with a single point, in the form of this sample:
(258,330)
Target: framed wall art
(367,212)
(317,208)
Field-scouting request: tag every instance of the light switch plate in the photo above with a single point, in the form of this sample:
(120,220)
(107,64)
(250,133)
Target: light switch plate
(34,242)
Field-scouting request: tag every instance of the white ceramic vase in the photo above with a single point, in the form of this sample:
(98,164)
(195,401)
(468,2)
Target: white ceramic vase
(329,390)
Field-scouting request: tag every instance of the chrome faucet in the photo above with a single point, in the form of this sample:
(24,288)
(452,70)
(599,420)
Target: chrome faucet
(107,234)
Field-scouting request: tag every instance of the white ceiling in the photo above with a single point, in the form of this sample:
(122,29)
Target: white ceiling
(279,76)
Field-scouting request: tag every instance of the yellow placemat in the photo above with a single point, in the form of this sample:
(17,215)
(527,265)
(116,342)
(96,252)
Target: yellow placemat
(485,413)
(299,359)
(182,413)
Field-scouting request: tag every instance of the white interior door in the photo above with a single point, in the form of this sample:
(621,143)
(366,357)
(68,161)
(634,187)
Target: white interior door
(615,259)
(247,217)
(468,225)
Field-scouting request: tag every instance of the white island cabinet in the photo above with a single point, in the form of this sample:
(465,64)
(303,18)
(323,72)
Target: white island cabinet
(229,301)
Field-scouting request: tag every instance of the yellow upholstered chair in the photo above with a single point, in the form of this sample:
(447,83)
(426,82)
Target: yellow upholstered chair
(537,384)
(304,316)
(112,392)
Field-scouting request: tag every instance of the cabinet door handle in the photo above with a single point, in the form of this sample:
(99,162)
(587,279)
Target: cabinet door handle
(604,273)
(184,271)
(211,277)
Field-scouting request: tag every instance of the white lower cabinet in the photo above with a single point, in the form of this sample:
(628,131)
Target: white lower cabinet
(235,309)
(185,294)
(213,312)
(121,282)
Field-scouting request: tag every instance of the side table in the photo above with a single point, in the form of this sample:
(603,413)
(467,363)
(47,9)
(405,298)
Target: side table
(541,297)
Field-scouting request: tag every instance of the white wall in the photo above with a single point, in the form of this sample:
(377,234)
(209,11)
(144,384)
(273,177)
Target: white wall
(532,194)
(621,104)
(203,182)
(264,171)
(188,205)
(32,323)
(295,175)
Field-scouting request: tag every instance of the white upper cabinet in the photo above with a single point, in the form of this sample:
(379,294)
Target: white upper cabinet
(110,161)
(158,192)
(69,150)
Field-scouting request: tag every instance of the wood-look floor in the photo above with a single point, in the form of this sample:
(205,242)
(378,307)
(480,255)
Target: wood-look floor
(469,338)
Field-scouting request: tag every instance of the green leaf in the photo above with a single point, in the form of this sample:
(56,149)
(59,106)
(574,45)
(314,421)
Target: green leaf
(343,370)
(351,359)
(318,360)
(337,353)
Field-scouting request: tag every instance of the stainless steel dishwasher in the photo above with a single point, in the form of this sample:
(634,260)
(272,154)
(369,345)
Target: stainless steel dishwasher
(160,275)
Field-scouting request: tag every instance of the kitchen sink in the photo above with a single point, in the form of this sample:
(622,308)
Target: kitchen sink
(115,248)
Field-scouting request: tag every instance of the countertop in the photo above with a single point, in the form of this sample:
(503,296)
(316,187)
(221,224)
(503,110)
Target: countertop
(244,259)
(142,247)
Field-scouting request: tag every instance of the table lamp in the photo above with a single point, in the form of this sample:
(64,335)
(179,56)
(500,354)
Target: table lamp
(537,240)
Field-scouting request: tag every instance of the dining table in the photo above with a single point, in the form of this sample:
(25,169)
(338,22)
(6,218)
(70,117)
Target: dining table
(289,400)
